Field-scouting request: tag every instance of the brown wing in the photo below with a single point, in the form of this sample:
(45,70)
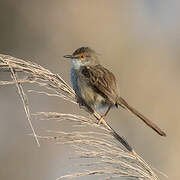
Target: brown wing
(102,80)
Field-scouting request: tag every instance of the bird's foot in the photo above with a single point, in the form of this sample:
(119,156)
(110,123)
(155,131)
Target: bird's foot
(83,105)
(80,101)
(100,120)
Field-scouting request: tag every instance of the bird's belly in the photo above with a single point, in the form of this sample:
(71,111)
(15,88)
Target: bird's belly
(94,99)
(101,105)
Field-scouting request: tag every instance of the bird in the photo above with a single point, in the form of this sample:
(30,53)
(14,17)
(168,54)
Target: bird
(96,87)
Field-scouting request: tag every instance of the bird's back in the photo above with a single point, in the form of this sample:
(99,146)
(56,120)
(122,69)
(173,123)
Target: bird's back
(101,80)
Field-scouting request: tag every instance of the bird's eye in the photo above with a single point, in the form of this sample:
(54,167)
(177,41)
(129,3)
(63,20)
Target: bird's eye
(82,56)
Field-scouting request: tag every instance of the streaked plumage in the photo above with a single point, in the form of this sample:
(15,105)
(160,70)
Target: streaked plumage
(96,85)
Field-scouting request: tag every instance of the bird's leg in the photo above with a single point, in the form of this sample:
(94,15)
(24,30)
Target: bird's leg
(103,116)
(83,105)
(79,101)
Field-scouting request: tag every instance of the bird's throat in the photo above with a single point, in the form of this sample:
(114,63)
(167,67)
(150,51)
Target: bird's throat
(76,64)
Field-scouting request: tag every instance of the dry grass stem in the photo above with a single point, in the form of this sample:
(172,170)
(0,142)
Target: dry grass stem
(100,143)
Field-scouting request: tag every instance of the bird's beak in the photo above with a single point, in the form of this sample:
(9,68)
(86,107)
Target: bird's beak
(68,56)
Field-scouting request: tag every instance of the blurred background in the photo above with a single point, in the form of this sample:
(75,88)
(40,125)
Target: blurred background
(138,40)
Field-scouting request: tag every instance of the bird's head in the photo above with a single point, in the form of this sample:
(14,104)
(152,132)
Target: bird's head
(83,56)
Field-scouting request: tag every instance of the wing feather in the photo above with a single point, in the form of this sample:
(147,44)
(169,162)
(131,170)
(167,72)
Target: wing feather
(102,81)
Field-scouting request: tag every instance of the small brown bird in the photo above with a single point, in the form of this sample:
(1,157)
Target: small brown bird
(95,86)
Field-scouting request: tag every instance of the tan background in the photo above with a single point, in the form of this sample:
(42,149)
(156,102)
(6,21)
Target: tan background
(138,40)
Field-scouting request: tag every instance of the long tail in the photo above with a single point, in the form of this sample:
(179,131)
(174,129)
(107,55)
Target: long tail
(152,125)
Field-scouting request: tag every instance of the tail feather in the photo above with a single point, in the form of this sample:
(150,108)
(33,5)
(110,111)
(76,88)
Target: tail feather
(152,125)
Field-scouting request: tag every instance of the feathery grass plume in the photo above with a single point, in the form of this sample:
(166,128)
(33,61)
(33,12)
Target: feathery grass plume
(113,156)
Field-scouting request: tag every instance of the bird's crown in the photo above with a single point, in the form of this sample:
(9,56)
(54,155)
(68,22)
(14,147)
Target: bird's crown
(84,52)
